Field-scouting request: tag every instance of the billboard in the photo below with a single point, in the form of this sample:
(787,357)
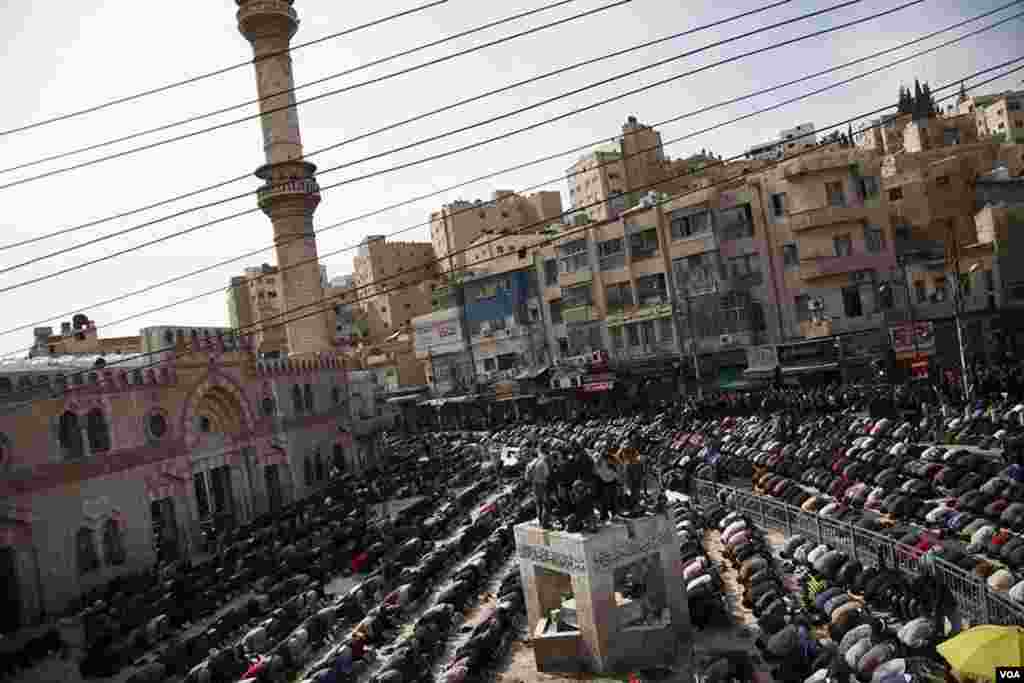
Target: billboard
(438,333)
(908,337)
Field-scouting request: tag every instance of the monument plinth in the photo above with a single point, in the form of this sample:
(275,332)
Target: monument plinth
(605,602)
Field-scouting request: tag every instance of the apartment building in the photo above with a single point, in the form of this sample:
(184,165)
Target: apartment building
(790,141)
(1000,115)
(255,305)
(386,276)
(455,226)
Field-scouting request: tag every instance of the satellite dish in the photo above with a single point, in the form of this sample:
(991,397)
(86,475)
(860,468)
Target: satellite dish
(79,321)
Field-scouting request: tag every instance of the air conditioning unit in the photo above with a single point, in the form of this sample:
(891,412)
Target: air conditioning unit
(815,305)
(726,339)
(485,330)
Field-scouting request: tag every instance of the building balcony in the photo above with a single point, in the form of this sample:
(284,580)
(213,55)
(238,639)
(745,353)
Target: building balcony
(647,352)
(296,187)
(632,314)
(810,164)
(579,314)
(576,277)
(827,216)
(256,12)
(818,267)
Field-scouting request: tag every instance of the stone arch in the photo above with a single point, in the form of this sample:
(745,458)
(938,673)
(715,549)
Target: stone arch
(220,399)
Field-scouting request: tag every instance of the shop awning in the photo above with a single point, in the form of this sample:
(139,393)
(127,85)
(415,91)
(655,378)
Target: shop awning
(597,387)
(517,397)
(808,369)
(759,373)
(404,399)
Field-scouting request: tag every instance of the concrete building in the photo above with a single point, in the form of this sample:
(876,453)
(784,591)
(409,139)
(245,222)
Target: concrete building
(790,141)
(385,277)
(256,306)
(1000,115)
(455,226)
(597,185)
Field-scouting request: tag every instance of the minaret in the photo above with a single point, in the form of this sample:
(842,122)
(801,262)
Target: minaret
(291,193)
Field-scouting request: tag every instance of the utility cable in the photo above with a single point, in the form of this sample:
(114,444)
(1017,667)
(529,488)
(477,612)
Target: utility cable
(238,333)
(367,134)
(217,72)
(246,255)
(457,150)
(330,93)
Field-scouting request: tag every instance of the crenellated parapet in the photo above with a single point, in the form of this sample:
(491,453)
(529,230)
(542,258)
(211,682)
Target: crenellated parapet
(294,367)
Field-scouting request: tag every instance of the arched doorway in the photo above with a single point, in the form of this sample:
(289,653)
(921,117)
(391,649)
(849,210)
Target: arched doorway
(217,417)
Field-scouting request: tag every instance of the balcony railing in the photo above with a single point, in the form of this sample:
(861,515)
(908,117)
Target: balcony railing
(662,349)
(824,265)
(614,261)
(296,186)
(578,314)
(826,216)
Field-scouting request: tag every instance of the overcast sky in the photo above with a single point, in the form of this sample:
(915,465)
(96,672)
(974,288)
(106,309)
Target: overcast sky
(93,50)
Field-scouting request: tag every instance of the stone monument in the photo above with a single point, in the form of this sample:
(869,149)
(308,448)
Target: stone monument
(611,601)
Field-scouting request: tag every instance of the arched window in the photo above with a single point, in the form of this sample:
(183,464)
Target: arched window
(336,395)
(99,434)
(308,471)
(85,549)
(307,393)
(339,457)
(113,543)
(70,435)
(268,406)
(297,399)
(321,474)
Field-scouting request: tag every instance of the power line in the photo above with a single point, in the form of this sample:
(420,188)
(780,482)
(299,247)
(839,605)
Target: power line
(338,74)
(674,119)
(263,326)
(367,134)
(330,93)
(457,150)
(217,72)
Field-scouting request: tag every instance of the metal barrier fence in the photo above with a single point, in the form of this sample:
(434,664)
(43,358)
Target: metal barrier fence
(977,603)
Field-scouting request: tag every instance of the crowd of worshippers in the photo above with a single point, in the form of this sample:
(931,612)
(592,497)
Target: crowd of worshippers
(194,621)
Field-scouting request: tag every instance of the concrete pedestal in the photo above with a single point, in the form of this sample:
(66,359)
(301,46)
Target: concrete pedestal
(571,579)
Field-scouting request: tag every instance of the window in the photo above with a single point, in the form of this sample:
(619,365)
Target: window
(790,255)
(633,333)
(576,296)
(940,289)
(685,223)
(696,273)
(843,245)
(619,295)
(489,365)
(869,188)
(156,426)
(874,239)
(901,231)
(965,284)
(307,471)
(507,361)
(852,305)
(99,434)
(651,289)
(744,266)
(617,339)
(335,395)
(736,223)
(70,436)
(563,346)
(951,136)
(297,399)
(895,194)
(85,547)
(113,543)
(1013,105)
(612,254)
(779,204)
(318,467)
(644,243)
(802,303)
(205,424)
(666,331)
(268,407)
(556,311)
(573,256)
(835,194)
(942,180)
(920,292)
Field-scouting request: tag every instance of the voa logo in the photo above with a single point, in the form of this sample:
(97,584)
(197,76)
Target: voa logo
(1010,673)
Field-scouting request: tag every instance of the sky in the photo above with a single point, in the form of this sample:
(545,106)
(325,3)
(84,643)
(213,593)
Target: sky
(96,50)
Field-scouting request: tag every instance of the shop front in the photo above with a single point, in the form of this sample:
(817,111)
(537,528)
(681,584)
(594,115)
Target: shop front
(810,363)
(914,347)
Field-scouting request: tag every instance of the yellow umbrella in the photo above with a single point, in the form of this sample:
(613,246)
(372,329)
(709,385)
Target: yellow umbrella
(978,651)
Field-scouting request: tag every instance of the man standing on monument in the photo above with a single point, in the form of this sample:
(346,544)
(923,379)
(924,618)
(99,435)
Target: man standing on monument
(538,472)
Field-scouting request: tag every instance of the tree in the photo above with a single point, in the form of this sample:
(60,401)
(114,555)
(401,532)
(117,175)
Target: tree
(928,105)
(963,93)
(918,109)
(905,104)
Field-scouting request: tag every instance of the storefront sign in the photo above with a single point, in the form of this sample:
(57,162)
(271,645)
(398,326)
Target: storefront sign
(909,337)
(762,358)
(810,353)
(639,315)
(438,333)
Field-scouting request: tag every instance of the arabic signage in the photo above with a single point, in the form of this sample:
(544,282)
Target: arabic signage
(909,337)
(438,333)
(639,315)
(762,358)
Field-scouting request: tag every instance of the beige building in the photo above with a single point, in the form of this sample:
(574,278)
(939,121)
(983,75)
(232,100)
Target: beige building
(458,224)
(385,276)
(255,305)
(498,252)
(1000,115)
